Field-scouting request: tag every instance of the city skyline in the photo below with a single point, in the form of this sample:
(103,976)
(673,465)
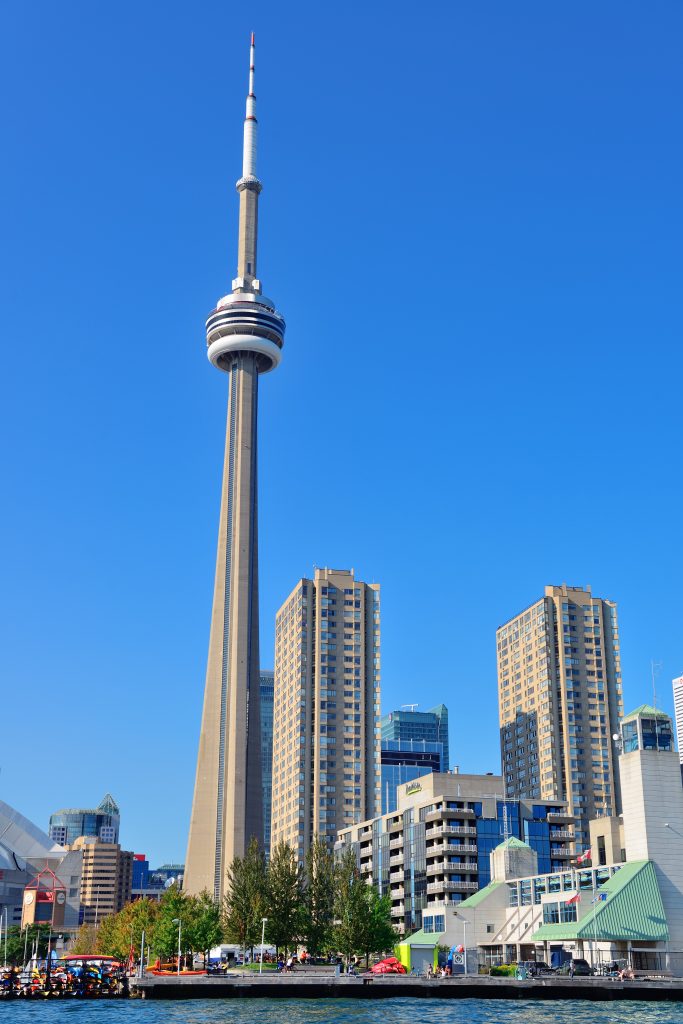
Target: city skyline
(552,239)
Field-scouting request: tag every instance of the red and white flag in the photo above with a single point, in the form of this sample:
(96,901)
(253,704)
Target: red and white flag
(575,898)
(584,857)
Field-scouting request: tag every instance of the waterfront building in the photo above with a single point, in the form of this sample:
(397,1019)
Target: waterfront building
(102,821)
(433,851)
(560,701)
(678,714)
(25,852)
(403,761)
(244,335)
(630,908)
(267,687)
(326,763)
(409,725)
(106,878)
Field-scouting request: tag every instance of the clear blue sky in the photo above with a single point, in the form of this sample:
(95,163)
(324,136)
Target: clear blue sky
(472,221)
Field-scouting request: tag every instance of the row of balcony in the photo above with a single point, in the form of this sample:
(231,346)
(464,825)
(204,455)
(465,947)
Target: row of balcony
(440,866)
(450,830)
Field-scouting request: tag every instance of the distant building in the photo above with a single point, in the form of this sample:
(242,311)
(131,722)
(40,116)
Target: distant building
(326,747)
(267,687)
(28,857)
(678,714)
(407,724)
(67,825)
(140,878)
(433,851)
(106,879)
(403,761)
(166,875)
(560,701)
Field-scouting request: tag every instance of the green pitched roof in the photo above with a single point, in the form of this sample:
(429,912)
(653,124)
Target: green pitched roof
(513,844)
(478,897)
(421,938)
(645,711)
(633,910)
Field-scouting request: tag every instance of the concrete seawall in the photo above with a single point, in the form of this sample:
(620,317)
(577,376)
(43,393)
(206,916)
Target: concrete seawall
(397,986)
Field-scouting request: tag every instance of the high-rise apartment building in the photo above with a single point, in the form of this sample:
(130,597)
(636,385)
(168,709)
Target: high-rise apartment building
(244,337)
(326,764)
(106,878)
(678,713)
(559,694)
(267,687)
(102,821)
(428,726)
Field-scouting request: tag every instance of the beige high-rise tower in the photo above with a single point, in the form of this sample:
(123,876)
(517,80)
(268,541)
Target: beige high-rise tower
(326,742)
(559,694)
(244,335)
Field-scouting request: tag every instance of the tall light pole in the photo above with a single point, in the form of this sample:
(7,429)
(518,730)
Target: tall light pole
(177,920)
(263,935)
(464,940)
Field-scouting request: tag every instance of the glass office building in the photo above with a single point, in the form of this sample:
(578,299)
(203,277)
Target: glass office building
(103,822)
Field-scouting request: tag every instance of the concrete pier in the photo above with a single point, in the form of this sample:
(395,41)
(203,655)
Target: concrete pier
(399,986)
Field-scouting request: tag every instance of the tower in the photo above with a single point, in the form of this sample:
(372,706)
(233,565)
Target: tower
(244,335)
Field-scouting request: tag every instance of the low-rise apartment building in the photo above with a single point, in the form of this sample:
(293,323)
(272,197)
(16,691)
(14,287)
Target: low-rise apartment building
(434,849)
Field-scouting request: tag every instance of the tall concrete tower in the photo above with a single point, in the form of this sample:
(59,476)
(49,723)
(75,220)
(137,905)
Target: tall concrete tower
(244,335)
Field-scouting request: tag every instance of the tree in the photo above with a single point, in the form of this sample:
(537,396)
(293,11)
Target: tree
(173,906)
(350,906)
(20,939)
(204,925)
(318,916)
(117,933)
(379,935)
(285,897)
(244,903)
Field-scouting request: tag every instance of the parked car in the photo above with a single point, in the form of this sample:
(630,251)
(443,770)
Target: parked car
(534,968)
(581,968)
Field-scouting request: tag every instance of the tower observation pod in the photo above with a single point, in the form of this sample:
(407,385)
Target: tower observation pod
(244,336)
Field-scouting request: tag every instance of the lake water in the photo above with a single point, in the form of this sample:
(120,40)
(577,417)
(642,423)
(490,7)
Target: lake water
(339,1011)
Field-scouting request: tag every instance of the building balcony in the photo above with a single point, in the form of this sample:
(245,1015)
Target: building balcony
(561,833)
(395,826)
(396,858)
(396,844)
(397,875)
(448,812)
(560,816)
(398,893)
(452,887)
(443,846)
(451,830)
(442,867)
(397,911)
(560,851)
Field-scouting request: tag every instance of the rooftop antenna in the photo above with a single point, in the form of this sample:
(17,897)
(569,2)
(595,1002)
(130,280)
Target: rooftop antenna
(655,668)
(409,707)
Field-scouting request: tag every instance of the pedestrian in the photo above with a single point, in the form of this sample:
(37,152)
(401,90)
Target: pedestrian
(571,969)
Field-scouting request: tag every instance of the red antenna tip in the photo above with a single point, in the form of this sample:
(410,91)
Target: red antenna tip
(252,39)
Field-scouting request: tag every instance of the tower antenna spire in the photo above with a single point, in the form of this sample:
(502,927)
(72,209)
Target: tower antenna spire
(249,188)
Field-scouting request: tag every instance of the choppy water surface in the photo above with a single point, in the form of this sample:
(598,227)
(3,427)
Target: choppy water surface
(341,1011)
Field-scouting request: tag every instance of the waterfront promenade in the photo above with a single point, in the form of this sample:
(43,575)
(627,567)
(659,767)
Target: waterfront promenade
(328,986)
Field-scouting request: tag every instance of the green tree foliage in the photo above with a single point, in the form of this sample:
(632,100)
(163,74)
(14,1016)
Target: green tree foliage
(173,906)
(379,935)
(118,932)
(318,916)
(204,924)
(19,939)
(350,906)
(284,898)
(245,901)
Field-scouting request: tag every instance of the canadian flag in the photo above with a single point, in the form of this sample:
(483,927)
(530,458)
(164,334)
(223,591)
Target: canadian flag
(575,898)
(584,857)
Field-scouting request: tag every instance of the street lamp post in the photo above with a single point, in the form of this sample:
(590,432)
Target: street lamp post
(177,920)
(263,935)
(464,940)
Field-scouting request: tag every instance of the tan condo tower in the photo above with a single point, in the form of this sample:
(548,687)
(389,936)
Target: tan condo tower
(244,335)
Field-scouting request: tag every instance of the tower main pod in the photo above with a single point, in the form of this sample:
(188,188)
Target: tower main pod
(244,335)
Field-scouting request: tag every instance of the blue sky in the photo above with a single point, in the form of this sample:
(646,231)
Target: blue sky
(471,220)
